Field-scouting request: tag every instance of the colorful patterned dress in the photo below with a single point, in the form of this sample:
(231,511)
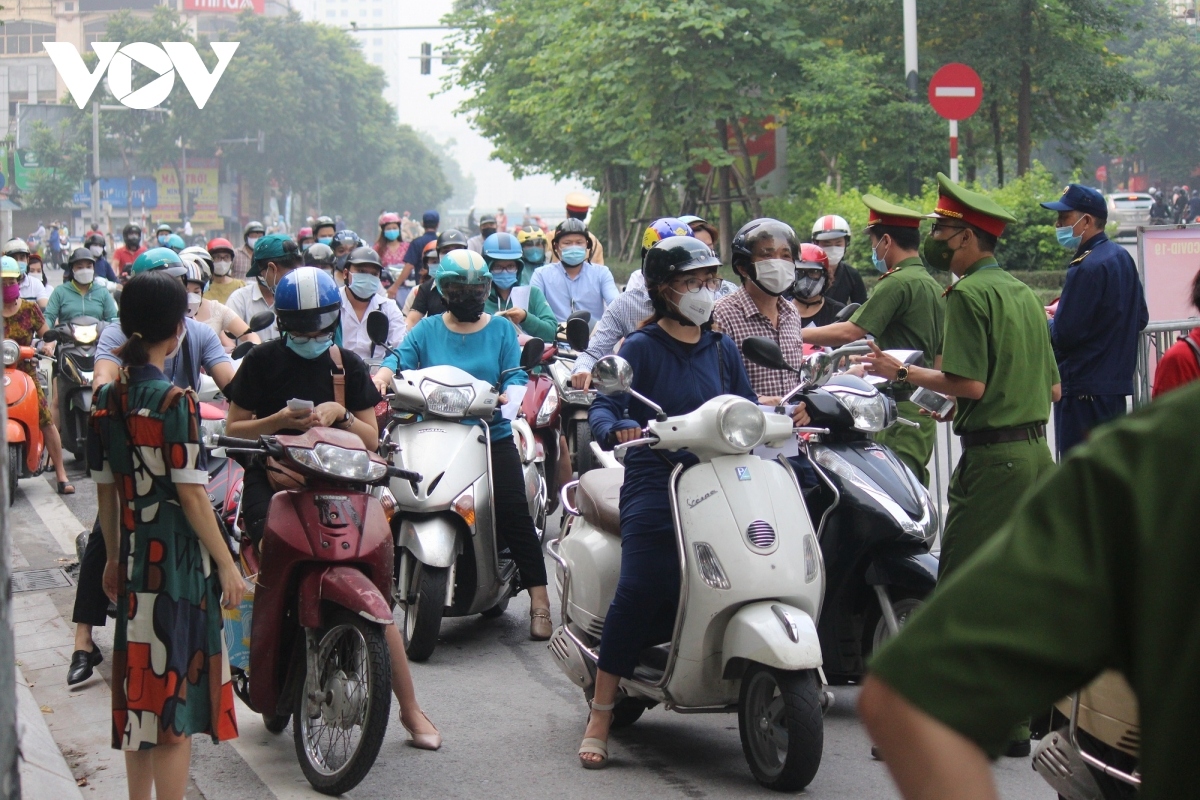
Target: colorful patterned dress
(21,327)
(170,669)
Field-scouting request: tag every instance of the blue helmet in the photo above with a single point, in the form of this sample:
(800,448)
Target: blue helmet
(501,247)
(307,301)
(176,242)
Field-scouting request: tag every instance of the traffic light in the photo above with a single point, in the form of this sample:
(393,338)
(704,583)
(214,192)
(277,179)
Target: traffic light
(426,58)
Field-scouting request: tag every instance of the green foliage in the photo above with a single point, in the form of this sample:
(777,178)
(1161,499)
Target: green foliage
(1027,244)
(1162,128)
(62,164)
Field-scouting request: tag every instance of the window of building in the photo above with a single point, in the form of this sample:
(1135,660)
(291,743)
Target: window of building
(377,42)
(377,12)
(330,14)
(95,31)
(19,38)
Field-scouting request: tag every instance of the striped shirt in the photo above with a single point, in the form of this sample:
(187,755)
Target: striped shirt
(739,318)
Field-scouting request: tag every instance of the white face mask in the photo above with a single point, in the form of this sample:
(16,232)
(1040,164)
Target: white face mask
(97,250)
(775,275)
(83,276)
(253,240)
(178,343)
(194,301)
(222,266)
(697,306)
(835,255)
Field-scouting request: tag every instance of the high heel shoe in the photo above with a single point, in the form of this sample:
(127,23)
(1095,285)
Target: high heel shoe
(593,746)
(423,741)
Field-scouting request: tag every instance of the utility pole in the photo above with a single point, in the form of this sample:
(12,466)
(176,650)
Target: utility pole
(95,162)
(910,82)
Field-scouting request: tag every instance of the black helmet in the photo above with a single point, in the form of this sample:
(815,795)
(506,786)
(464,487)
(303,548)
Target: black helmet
(319,255)
(131,229)
(755,231)
(94,238)
(451,238)
(364,255)
(253,227)
(322,222)
(674,255)
(345,236)
(81,254)
(571,225)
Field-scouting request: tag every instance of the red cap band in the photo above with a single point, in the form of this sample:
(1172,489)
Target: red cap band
(875,218)
(949,207)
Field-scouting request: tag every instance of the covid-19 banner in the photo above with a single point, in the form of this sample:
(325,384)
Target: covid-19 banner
(201,184)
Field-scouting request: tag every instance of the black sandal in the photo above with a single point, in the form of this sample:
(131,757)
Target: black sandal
(65,487)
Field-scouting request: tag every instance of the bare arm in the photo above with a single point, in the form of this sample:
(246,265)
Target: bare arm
(413,318)
(928,760)
(109,515)
(881,364)
(1056,392)
(193,497)
(105,372)
(362,424)
(222,374)
(835,335)
(242,424)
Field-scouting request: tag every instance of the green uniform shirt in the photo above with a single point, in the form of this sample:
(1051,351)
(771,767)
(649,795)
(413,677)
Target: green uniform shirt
(1096,570)
(996,333)
(906,311)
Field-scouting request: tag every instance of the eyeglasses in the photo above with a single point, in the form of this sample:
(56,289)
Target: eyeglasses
(306,339)
(693,285)
(942,226)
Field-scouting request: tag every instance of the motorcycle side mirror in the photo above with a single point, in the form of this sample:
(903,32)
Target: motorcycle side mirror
(240,351)
(764,352)
(531,353)
(612,375)
(578,332)
(261,321)
(377,327)
(50,336)
(846,313)
(586,316)
(817,368)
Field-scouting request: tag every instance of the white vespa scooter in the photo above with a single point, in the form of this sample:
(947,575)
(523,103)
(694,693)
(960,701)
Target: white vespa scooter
(448,563)
(745,637)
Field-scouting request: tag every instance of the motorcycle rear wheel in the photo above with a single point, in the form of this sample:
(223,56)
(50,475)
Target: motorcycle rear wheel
(905,603)
(353,694)
(423,612)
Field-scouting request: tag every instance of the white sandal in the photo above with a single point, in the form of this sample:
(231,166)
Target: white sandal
(592,746)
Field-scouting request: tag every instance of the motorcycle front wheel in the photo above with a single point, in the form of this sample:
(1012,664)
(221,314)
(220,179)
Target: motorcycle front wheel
(423,608)
(585,460)
(341,714)
(905,603)
(781,725)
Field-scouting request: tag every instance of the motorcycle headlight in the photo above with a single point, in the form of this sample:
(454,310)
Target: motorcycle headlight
(12,352)
(923,529)
(741,424)
(355,465)
(871,413)
(549,406)
(84,334)
(449,400)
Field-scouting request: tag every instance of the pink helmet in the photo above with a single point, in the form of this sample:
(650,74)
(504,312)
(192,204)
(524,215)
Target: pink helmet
(387,217)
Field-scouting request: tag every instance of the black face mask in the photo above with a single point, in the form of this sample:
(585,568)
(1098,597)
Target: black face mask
(466,309)
(133,242)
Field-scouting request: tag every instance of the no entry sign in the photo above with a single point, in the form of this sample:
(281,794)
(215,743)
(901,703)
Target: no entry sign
(955,91)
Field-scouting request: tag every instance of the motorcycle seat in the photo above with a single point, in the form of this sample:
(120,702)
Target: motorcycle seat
(599,498)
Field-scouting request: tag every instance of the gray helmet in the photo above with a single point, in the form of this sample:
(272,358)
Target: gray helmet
(364,255)
(319,255)
(81,254)
(253,227)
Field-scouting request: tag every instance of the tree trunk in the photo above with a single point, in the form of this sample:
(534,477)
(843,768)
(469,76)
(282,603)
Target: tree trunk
(751,194)
(725,229)
(1025,90)
(999,141)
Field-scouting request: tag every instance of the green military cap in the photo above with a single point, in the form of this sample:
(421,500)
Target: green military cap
(273,247)
(955,202)
(890,214)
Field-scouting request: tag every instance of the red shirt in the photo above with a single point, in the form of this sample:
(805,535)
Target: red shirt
(123,258)
(1178,366)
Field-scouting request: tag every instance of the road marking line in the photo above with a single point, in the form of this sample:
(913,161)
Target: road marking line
(272,756)
(62,523)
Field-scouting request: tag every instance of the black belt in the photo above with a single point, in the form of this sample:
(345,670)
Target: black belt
(1025,433)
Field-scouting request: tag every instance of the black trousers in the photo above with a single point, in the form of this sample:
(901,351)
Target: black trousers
(91,603)
(514,526)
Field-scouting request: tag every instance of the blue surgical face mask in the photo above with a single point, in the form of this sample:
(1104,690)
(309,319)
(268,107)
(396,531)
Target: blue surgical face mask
(504,280)
(534,255)
(364,286)
(878,261)
(325,239)
(1066,236)
(162,240)
(574,256)
(311,348)
(391,235)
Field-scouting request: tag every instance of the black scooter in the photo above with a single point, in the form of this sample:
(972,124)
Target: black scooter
(876,523)
(75,359)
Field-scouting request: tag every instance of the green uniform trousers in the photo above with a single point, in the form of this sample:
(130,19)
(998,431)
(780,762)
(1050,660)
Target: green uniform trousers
(913,446)
(984,491)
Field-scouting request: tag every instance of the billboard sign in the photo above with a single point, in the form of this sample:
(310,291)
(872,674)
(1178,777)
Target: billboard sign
(1168,260)
(225,6)
(116,192)
(201,183)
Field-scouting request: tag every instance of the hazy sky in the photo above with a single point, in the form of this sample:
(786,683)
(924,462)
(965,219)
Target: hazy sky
(410,93)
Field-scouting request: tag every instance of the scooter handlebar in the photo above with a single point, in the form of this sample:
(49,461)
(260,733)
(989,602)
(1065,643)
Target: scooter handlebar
(404,474)
(239,444)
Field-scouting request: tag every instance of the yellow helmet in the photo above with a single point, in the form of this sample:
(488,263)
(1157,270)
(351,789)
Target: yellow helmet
(530,234)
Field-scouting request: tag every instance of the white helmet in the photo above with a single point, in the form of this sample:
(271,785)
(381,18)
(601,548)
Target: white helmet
(830,226)
(16,246)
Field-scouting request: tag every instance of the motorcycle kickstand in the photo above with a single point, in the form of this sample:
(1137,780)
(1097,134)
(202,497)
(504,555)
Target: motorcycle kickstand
(889,613)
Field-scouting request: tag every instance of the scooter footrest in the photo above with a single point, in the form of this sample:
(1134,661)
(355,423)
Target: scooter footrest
(652,663)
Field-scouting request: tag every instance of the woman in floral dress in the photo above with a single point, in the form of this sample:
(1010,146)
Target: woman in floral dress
(170,670)
(23,319)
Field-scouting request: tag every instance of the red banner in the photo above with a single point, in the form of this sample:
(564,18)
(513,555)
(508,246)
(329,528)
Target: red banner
(225,6)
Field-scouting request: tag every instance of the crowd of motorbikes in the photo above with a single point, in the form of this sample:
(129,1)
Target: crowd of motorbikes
(784,591)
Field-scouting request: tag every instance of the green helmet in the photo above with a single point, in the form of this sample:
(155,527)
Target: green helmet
(462,267)
(159,258)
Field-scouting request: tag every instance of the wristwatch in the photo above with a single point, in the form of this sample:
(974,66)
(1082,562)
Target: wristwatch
(902,374)
(347,419)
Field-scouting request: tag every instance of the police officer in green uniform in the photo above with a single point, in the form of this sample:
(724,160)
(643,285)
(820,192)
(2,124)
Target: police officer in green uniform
(904,312)
(1097,570)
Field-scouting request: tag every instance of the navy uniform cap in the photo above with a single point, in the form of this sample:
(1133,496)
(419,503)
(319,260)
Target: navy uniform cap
(1083,199)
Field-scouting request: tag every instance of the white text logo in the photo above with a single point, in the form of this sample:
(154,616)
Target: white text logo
(172,57)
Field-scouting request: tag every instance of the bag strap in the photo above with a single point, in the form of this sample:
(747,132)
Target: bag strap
(339,376)
(1192,344)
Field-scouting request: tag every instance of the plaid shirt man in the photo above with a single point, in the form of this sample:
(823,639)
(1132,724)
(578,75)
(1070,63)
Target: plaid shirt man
(739,318)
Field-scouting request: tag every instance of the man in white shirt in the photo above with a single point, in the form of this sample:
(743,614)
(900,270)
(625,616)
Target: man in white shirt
(363,294)
(274,256)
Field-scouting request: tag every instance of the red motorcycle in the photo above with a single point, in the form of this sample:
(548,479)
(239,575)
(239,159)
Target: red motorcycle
(27,455)
(322,601)
(540,408)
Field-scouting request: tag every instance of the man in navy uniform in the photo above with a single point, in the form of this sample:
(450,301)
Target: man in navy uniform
(1100,314)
